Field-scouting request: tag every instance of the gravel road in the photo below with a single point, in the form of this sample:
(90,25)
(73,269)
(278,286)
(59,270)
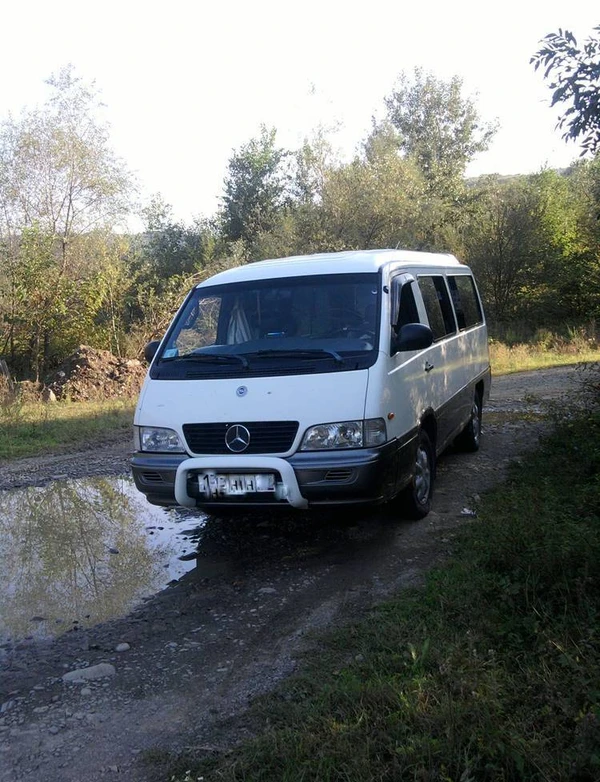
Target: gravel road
(230,629)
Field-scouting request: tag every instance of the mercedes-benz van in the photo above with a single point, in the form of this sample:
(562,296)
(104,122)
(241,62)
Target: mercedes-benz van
(319,380)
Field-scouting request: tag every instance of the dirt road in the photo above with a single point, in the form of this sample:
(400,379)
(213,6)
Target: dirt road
(235,625)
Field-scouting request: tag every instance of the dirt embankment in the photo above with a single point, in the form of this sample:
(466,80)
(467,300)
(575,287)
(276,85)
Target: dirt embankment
(87,374)
(193,656)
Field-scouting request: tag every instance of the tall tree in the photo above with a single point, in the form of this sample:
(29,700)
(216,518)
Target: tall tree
(58,169)
(575,80)
(62,190)
(527,243)
(437,126)
(502,243)
(256,187)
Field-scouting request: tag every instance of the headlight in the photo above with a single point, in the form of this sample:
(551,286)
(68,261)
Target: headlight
(158,440)
(346,434)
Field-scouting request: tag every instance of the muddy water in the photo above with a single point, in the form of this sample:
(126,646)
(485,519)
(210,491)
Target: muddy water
(79,552)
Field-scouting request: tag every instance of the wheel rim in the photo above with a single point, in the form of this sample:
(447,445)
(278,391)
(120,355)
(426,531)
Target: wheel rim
(422,476)
(476,420)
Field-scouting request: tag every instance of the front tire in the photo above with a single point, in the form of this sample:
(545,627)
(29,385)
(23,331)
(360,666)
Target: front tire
(416,498)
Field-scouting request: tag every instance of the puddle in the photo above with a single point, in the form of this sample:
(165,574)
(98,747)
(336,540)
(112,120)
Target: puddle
(79,552)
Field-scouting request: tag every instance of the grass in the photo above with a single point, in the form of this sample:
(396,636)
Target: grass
(490,673)
(506,359)
(544,349)
(28,429)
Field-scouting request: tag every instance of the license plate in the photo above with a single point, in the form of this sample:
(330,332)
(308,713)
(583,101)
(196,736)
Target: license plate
(231,485)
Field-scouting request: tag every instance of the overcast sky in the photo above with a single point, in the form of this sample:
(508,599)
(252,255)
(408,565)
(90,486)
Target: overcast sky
(185,82)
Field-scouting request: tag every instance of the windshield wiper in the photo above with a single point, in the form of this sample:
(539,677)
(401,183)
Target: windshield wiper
(300,353)
(210,358)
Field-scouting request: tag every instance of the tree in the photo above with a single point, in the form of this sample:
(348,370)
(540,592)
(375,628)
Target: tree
(312,162)
(57,168)
(170,246)
(438,127)
(575,73)
(62,191)
(502,243)
(373,201)
(256,187)
(527,244)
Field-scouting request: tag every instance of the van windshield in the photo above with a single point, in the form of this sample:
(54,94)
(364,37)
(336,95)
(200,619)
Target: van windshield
(323,322)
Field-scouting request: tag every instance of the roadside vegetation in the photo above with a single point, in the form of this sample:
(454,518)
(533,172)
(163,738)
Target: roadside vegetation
(514,351)
(488,673)
(32,428)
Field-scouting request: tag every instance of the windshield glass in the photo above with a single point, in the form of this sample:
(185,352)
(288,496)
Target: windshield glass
(318,319)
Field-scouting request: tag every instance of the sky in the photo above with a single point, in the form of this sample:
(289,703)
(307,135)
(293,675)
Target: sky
(187,82)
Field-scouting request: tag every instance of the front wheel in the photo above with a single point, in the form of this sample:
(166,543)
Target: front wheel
(416,498)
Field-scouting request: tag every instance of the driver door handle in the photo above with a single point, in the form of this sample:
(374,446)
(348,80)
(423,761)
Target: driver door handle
(428,366)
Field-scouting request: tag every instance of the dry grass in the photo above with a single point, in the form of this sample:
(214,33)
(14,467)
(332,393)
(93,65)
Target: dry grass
(546,349)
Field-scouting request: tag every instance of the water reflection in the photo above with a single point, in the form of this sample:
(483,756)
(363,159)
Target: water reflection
(81,552)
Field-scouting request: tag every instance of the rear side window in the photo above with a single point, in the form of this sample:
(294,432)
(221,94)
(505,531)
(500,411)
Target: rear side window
(465,300)
(437,305)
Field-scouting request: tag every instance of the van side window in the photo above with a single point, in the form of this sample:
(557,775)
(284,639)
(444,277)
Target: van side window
(465,300)
(437,305)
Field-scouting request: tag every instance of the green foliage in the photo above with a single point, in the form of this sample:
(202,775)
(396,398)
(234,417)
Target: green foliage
(529,241)
(57,168)
(575,73)
(255,187)
(437,126)
(169,246)
(62,191)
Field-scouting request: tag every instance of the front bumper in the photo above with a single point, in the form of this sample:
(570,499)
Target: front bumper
(364,475)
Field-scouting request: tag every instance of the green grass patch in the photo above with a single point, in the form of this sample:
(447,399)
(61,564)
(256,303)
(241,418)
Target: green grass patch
(29,429)
(490,673)
(506,359)
(544,349)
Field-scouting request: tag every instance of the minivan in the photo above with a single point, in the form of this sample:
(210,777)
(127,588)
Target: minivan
(324,380)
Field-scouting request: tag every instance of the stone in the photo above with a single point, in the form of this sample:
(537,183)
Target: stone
(48,396)
(99,671)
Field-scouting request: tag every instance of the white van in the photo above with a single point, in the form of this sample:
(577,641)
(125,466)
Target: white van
(312,381)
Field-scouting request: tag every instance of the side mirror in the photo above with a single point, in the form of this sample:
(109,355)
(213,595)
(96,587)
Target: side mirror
(412,336)
(150,350)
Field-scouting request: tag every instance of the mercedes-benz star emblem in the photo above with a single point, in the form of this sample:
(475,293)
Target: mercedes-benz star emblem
(237,438)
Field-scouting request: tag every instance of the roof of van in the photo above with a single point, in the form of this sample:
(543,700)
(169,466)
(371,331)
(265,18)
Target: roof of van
(330,263)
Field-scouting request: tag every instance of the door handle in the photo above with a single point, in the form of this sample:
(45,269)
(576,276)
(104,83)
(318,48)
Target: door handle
(428,366)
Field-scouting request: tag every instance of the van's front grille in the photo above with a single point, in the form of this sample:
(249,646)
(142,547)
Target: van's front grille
(265,437)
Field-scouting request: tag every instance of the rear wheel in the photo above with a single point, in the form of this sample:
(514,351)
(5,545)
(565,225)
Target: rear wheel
(416,498)
(470,437)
